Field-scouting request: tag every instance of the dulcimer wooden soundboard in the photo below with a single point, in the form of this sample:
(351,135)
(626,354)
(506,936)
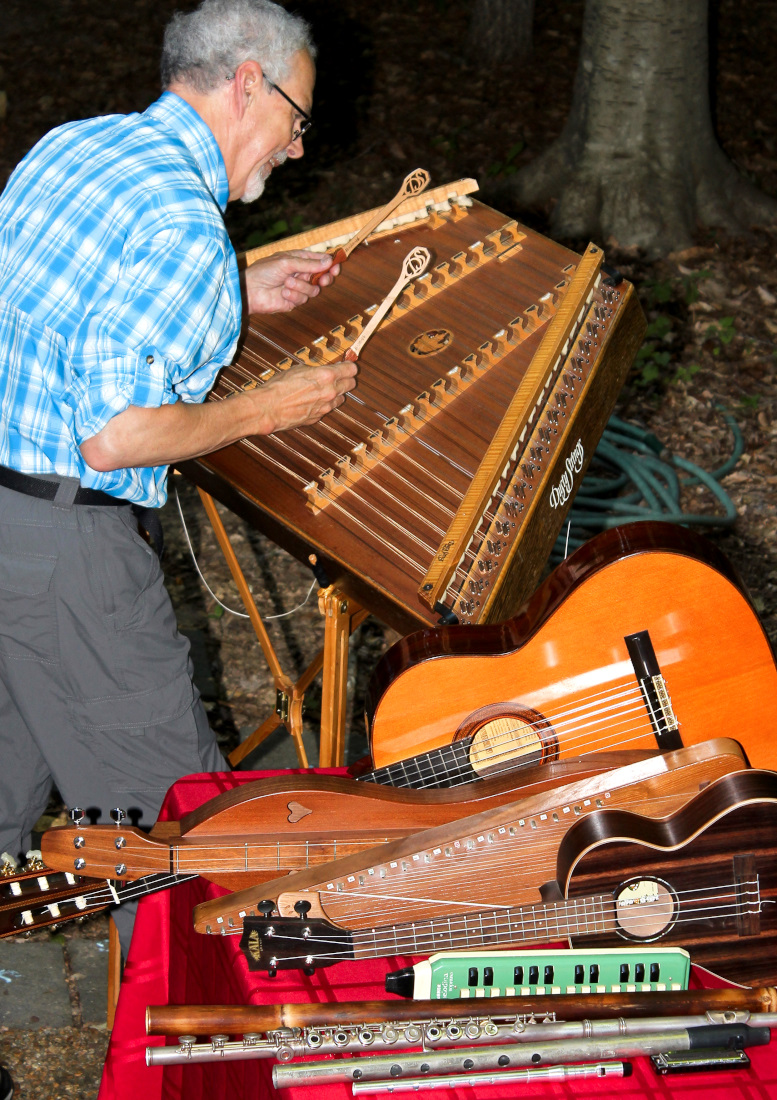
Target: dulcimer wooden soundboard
(437,490)
(500,856)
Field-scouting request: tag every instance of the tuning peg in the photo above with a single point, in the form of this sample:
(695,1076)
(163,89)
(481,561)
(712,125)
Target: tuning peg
(266,908)
(34,860)
(117,816)
(76,816)
(272,970)
(308,968)
(8,865)
(302,907)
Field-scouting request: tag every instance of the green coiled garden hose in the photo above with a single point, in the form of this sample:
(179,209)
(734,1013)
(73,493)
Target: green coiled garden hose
(633,477)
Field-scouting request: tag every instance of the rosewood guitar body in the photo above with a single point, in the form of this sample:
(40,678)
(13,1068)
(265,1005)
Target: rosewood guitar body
(561,679)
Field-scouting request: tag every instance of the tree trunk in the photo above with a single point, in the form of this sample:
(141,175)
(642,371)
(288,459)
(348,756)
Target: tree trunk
(501,30)
(638,160)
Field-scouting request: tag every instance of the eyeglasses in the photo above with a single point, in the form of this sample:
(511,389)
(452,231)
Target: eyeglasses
(307,120)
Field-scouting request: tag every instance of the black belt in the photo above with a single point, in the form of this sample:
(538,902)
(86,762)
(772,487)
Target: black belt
(39,487)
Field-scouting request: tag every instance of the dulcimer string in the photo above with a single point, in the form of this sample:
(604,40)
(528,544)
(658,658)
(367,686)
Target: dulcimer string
(428,548)
(353,397)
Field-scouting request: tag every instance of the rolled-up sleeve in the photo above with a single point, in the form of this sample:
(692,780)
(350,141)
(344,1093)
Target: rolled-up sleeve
(162,330)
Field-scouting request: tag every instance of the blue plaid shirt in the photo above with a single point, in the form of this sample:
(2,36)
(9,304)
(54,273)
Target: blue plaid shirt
(118,286)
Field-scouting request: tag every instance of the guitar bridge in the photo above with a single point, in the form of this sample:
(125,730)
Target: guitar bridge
(665,703)
(748,895)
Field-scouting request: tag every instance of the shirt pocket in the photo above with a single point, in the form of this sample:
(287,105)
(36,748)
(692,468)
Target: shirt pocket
(28,628)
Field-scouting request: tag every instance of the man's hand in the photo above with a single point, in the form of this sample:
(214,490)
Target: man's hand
(280,282)
(302,395)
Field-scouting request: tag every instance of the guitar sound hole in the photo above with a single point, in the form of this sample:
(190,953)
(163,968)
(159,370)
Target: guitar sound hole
(645,908)
(504,736)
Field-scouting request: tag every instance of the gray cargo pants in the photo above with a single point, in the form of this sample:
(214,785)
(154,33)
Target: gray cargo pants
(95,680)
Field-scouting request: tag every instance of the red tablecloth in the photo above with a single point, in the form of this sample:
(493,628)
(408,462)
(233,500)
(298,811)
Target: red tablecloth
(171,964)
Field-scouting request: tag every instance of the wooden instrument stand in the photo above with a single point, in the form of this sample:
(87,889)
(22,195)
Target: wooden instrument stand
(342,615)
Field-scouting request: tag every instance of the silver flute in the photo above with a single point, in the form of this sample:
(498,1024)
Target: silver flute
(286,1043)
(513,1055)
(504,1076)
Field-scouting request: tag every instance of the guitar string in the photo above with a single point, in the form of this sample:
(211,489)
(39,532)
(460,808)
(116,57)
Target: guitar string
(566,740)
(715,906)
(472,869)
(340,913)
(99,897)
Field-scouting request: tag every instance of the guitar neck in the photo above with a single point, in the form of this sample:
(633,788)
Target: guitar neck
(448,766)
(58,899)
(520,924)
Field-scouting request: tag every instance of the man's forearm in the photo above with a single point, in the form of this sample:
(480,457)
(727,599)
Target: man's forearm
(160,436)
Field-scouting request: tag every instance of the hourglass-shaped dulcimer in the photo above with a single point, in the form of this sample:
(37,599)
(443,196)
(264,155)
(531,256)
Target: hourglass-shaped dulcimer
(438,488)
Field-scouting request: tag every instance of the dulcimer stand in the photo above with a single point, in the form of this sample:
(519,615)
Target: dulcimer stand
(342,615)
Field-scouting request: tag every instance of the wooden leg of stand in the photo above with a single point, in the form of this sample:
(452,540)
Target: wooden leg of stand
(337,630)
(245,592)
(114,971)
(254,739)
(295,727)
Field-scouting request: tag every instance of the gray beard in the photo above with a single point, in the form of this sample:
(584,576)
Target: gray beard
(256,184)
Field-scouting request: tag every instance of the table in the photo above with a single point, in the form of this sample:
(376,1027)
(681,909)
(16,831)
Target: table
(169,963)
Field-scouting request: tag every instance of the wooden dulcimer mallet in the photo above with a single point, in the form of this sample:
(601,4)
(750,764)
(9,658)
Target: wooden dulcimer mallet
(412,184)
(414,264)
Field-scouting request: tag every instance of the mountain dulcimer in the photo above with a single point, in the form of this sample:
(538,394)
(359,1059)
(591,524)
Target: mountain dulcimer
(704,878)
(289,823)
(645,637)
(495,857)
(438,487)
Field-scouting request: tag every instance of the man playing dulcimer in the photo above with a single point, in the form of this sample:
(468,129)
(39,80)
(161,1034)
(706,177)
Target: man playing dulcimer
(120,300)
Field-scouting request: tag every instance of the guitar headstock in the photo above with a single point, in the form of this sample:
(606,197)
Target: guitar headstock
(104,851)
(42,898)
(293,943)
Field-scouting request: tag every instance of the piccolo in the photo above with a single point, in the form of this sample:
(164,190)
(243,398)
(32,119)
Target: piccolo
(285,1044)
(252,1019)
(517,1055)
(505,1076)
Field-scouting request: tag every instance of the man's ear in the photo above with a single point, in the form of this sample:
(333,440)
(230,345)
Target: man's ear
(248,83)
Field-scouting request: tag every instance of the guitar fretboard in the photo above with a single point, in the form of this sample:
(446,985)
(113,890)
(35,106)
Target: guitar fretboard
(448,766)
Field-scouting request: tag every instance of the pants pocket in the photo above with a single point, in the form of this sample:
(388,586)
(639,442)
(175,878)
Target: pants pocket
(144,741)
(27,615)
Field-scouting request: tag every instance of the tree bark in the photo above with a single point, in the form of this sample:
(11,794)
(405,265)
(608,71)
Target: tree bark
(638,160)
(501,30)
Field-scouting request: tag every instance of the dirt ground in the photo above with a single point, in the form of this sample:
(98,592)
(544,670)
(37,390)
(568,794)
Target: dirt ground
(397,90)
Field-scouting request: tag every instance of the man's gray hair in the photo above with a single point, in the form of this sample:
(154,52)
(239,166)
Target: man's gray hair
(204,47)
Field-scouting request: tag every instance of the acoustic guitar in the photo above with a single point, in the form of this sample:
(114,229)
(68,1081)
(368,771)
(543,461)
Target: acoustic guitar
(643,638)
(704,879)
